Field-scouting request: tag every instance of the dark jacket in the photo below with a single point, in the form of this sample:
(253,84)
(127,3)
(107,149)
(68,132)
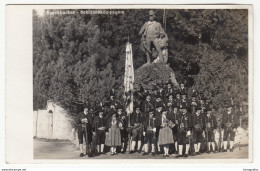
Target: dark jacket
(81,126)
(150,122)
(137,118)
(147,106)
(229,118)
(168,91)
(123,119)
(211,120)
(174,117)
(98,123)
(185,122)
(198,122)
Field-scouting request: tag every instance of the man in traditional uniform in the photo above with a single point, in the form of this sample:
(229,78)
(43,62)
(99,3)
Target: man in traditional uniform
(99,128)
(183,89)
(203,104)
(184,131)
(173,115)
(210,129)
(177,99)
(149,133)
(150,32)
(197,129)
(159,101)
(112,100)
(84,129)
(111,110)
(123,119)
(157,114)
(194,102)
(161,91)
(137,120)
(147,105)
(229,124)
(169,89)
(185,101)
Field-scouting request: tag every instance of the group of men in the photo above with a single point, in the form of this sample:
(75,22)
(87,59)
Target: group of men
(191,120)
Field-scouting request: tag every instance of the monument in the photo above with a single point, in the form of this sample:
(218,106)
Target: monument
(153,35)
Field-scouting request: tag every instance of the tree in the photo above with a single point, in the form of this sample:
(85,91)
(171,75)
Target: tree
(78,58)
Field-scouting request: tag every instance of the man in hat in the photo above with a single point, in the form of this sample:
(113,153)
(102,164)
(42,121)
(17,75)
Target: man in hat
(137,120)
(203,103)
(161,91)
(111,110)
(185,101)
(210,128)
(149,133)
(194,102)
(147,105)
(174,115)
(150,32)
(177,99)
(229,124)
(183,89)
(112,99)
(123,119)
(158,112)
(184,133)
(159,101)
(169,89)
(99,128)
(197,129)
(84,121)
(158,109)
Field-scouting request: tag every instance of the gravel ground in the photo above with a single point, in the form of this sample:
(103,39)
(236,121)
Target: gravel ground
(57,149)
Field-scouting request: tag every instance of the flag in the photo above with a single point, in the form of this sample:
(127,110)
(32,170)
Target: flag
(129,78)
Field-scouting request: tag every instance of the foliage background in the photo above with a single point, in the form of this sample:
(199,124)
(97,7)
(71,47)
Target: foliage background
(79,58)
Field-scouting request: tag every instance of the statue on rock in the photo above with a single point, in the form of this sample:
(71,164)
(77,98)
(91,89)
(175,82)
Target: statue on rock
(154,35)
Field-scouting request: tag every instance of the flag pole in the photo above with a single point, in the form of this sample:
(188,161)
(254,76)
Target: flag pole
(128,85)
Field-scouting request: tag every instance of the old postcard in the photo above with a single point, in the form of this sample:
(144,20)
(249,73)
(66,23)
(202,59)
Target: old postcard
(124,83)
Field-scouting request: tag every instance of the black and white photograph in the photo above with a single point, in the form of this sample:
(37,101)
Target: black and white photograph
(140,83)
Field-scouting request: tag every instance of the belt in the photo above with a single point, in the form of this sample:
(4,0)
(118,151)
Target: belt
(101,128)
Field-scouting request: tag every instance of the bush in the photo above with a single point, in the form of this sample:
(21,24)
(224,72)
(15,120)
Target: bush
(150,74)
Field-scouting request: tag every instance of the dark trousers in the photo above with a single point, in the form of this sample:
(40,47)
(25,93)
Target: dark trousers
(82,134)
(228,132)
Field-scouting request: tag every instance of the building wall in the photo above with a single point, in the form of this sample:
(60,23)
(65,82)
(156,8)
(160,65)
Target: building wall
(62,127)
(40,123)
(62,124)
